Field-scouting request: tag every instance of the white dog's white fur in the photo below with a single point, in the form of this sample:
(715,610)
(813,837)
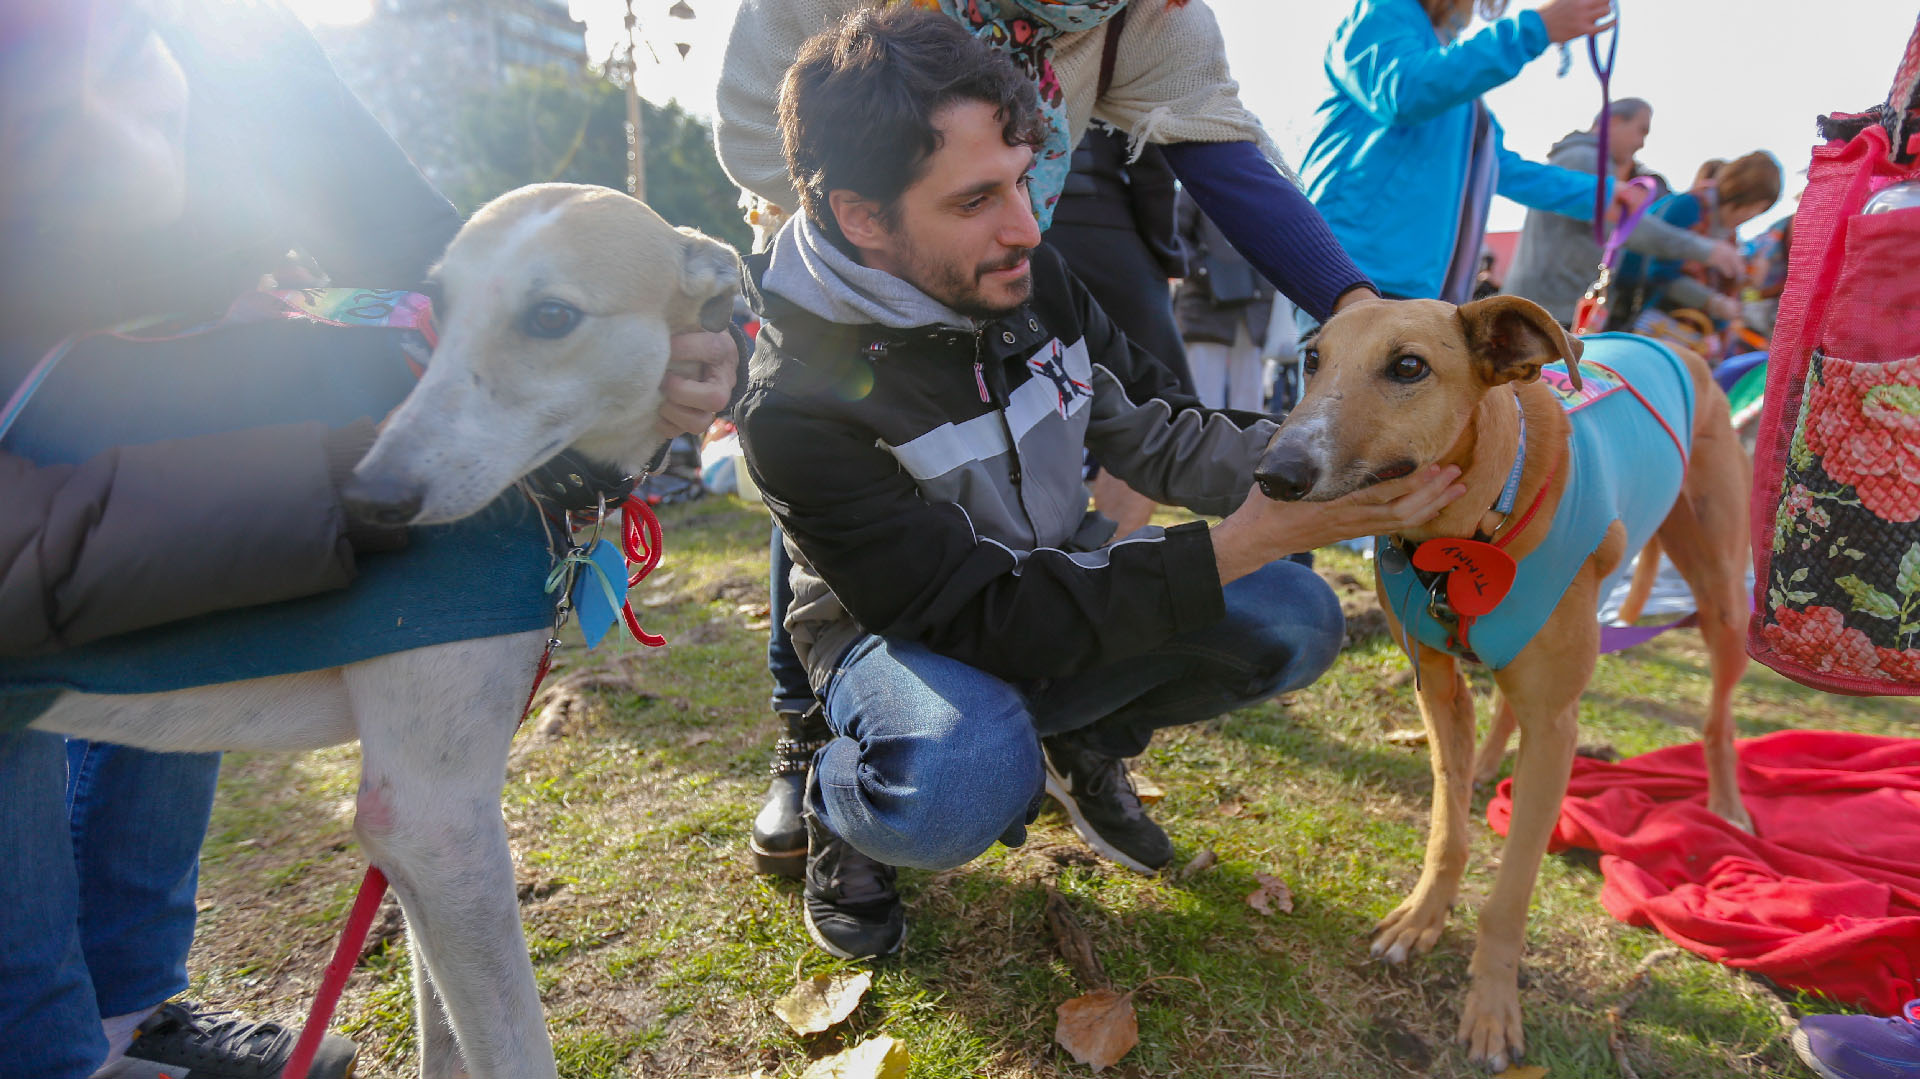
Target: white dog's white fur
(434,723)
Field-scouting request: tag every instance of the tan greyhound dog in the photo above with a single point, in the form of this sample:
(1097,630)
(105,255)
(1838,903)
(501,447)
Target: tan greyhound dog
(1397,385)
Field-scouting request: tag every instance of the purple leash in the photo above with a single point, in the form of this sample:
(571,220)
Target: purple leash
(1615,638)
(1610,245)
(1605,165)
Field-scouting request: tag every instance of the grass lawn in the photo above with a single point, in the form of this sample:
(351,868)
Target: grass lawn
(658,950)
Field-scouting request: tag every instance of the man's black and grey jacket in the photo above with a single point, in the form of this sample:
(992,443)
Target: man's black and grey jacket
(926,469)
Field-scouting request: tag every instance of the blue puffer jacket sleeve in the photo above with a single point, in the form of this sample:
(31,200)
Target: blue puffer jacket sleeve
(1384,56)
(1543,187)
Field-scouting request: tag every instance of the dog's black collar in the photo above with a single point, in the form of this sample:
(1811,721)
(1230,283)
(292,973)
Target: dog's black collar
(573,483)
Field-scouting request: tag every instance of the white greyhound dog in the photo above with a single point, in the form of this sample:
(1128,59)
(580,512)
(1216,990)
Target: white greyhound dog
(559,302)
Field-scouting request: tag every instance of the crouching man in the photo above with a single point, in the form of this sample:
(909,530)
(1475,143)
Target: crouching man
(925,382)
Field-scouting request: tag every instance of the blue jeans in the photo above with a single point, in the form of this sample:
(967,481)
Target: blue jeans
(791,690)
(102,846)
(933,760)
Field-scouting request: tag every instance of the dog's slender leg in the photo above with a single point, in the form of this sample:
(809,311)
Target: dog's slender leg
(1486,761)
(1446,706)
(1645,571)
(435,725)
(439,1052)
(1705,535)
(1543,683)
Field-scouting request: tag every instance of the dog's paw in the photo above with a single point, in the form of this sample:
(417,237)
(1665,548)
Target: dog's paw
(1734,813)
(1412,929)
(1490,1025)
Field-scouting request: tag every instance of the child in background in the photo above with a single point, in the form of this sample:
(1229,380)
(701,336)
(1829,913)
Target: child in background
(1741,190)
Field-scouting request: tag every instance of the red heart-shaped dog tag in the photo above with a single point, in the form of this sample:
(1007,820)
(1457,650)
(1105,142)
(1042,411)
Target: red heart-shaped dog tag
(1479,575)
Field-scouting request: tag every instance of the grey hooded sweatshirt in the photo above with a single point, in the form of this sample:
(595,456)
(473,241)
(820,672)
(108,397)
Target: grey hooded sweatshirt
(926,469)
(1557,259)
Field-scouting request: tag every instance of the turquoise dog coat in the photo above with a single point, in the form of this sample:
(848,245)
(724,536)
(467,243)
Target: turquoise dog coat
(480,577)
(1632,430)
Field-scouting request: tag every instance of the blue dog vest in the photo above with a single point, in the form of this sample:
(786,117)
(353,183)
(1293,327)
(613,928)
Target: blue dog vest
(1622,464)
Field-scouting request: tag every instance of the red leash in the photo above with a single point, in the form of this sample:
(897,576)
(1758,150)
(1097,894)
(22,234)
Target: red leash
(643,547)
(373,888)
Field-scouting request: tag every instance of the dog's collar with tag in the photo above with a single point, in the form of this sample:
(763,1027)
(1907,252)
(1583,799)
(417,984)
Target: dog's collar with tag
(1467,578)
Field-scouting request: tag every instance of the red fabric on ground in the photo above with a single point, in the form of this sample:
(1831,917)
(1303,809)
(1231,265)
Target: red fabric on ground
(1825,897)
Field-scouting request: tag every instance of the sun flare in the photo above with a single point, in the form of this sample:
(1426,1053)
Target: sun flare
(331,12)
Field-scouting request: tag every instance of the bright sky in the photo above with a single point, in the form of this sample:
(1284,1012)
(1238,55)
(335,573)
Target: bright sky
(1724,78)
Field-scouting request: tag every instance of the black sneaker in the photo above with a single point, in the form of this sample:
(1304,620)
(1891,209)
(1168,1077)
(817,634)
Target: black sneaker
(779,840)
(1098,796)
(219,1045)
(852,909)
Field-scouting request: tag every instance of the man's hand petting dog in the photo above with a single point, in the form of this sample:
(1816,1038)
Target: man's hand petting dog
(701,371)
(1262,529)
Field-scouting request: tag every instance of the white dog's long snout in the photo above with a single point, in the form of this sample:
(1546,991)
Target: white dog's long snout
(383,500)
(562,304)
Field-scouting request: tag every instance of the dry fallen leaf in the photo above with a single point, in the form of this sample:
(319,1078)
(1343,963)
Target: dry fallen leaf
(1519,1071)
(1099,1028)
(1074,944)
(876,1058)
(1149,792)
(1273,895)
(1231,809)
(821,1001)
(1202,862)
(1410,736)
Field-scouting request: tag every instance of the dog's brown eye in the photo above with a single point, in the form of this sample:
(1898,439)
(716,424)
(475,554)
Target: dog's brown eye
(1407,368)
(1310,361)
(551,318)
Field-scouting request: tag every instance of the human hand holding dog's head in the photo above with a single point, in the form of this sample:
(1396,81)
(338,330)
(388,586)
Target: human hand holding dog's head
(1263,529)
(701,370)
(1375,510)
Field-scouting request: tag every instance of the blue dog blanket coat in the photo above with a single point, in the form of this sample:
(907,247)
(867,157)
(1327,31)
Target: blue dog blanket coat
(481,577)
(1623,463)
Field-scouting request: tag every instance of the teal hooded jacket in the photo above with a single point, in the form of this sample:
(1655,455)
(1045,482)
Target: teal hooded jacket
(1388,166)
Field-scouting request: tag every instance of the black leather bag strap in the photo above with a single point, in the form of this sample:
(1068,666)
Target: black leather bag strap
(1110,51)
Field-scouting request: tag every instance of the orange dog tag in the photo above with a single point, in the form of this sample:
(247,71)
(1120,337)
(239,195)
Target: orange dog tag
(1479,575)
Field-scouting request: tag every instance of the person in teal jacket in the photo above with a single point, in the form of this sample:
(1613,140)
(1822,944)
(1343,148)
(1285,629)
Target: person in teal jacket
(1406,159)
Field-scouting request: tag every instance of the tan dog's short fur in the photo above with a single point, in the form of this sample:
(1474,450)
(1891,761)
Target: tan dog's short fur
(1357,421)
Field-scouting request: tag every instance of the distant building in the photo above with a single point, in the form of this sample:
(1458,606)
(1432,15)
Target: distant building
(414,61)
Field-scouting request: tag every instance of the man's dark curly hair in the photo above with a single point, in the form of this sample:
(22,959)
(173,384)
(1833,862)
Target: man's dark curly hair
(857,106)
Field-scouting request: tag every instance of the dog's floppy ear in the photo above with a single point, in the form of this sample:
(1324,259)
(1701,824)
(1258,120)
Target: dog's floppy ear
(1511,338)
(710,276)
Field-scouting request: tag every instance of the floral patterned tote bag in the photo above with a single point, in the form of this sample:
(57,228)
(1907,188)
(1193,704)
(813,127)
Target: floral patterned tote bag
(1836,506)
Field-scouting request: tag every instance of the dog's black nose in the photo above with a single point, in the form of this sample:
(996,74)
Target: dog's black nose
(386,502)
(1286,473)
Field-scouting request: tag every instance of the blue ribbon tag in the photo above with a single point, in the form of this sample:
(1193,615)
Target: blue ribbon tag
(600,590)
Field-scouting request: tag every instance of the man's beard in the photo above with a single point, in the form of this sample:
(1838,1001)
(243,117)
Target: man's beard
(959,288)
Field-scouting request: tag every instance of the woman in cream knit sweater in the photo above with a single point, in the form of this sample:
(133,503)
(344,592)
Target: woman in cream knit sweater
(1169,85)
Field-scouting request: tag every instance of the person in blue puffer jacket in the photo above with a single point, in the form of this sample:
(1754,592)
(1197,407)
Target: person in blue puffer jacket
(1406,159)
